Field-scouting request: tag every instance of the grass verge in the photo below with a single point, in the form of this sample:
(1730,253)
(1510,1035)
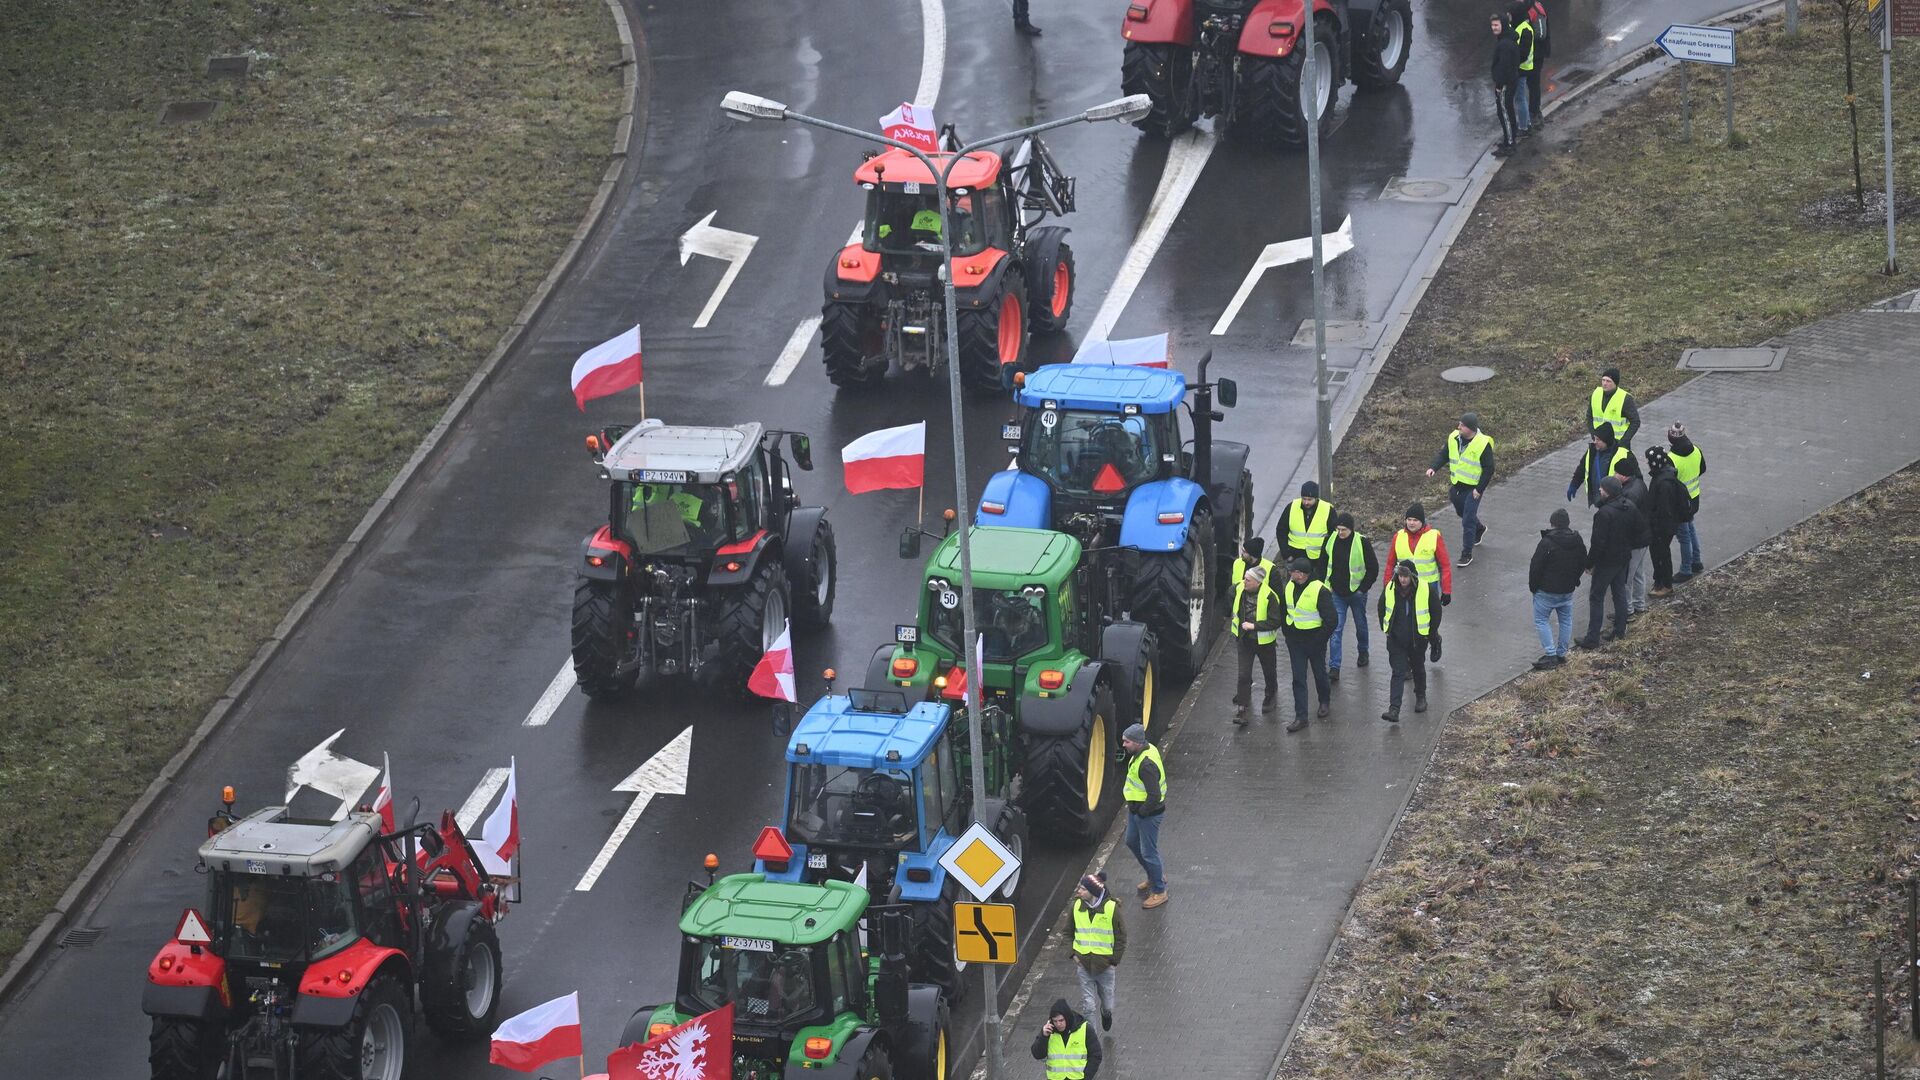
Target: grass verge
(1675,858)
(223,339)
(1617,245)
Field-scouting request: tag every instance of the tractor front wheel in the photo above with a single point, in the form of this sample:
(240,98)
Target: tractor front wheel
(1050,305)
(180,1049)
(1174,595)
(1272,104)
(813,593)
(1165,74)
(602,628)
(1012,831)
(933,960)
(461,998)
(851,346)
(1382,57)
(1073,781)
(372,1045)
(875,1064)
(993,338)
(751,619)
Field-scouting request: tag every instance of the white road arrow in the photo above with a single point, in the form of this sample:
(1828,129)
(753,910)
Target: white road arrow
(726,245)
(1286,252)
(665,773)
(329,773)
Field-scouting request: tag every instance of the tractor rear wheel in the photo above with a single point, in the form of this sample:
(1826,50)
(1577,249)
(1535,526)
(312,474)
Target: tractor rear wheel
(1271,108)
(1073,781)
(851,346)
(993,339)
(462,999)
(751,619)
(875,1064)
(602,627)
(1011,830)
(1174,594)
(1228,543)
(180,1049)
(813,593)
(933,960)
(1379,60)
(1143,674)
(372,1045)
(1050,305)
(1165,74)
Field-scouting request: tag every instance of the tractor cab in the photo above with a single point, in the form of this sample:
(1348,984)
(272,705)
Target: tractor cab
(288,892)
(1094,433)
(903,208)
(684,492)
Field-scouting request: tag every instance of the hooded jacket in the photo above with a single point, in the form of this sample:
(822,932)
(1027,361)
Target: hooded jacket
(1558,561)
(1615,527)
(1668,506)
(1506,55)
(1074,1023)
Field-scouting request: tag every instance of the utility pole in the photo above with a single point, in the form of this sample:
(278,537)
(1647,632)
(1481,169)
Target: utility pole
(1886,121)
(1310,105)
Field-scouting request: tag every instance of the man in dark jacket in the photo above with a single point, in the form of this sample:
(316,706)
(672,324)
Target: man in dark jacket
(1558,561)
(1309,623)
(1068,1046)
(1667,508)
(1506,79)
(1603,453)
(1351,565)
(1408,612)
(1691,463)
(1634,488)
(1255,623)
(1611,406)
(1615,525)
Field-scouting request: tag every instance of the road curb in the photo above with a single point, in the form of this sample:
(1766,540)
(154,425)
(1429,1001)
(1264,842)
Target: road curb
(86,883)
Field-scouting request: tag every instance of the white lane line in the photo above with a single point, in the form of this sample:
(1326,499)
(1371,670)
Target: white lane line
(1285,253)
(1186,157)
(550,699)
(796,347)
(933,52)
(490,785)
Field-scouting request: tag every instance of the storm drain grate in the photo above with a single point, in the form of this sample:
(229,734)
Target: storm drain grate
(228,67)
(181,113)
(1338,377)
(81,937)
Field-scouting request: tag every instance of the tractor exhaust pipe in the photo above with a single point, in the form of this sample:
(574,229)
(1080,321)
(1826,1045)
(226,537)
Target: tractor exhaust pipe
(1203,418)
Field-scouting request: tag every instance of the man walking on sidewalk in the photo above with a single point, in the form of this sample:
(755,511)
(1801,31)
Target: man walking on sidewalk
(1608,553)
(1667,507)
(1099,943)
(1506,80)
(1351,565)
(1255,623)
(1408,613)
(1067,1044)
(1468,458)
(1612,407)
(1309,621)
(1558,561)
(1304,526)
(1428,552)
(1146,796)
(1690,464)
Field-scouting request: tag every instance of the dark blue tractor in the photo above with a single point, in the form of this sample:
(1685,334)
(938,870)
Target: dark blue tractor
(1101,454)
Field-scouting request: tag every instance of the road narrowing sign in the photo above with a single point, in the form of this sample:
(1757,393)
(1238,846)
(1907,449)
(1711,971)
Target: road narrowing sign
(979,861)
(983,933)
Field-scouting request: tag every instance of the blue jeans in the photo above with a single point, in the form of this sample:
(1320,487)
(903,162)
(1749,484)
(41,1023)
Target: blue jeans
(1357,603)
(1522,108)
(1689,538)
(1143,839)
(1545,606)
(1468,508)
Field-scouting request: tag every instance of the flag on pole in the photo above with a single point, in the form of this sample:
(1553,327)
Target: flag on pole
(912,124)
(700,1049)
(773,676)
(607,368)
(500,834)
(1153,352)
(889,458)
(383,802)
(543,1033)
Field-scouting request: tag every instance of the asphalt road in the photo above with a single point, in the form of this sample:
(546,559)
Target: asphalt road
(441,638)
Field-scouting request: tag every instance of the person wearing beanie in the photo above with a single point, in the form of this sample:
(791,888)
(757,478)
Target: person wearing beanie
(1309,622)
(1667,507)
(1608,553)
(1612,407)
(1529,62)
(1409,613)
(1304,526)
(1253,551)
(1559,559)
(1633,487)
(1467,455)
(1067,1044)
(1254,620)
(1351,566)
(1603,453)
(1146,796)
(1690,465)
(1099,944)
(1427,550)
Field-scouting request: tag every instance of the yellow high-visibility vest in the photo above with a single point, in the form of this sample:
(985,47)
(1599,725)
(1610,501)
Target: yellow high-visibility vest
(1264,637)
(1303,605)
(1524,32)
(1356,562)
(1136,788)
(1425,554)
(1310,537)
(1422,608)
(1093,929)
(1610,410)
(1240,568)
(1463,465)
(1067,1055)
(1690,467)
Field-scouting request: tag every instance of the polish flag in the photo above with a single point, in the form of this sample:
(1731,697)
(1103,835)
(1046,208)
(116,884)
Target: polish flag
(500,834)
(911,124)
(383,802)
(700,1049)
(607,368)
(1150,352)
(889,458)
(542,1034)
(773,676)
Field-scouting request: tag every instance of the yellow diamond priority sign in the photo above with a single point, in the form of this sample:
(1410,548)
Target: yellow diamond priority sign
(979,861)
(983,933)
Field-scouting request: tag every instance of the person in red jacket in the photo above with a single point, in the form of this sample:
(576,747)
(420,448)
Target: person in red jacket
(1427,550)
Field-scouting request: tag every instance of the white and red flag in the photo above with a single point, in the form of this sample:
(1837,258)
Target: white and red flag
(912,124)
(889,458)
(607,368)
(543,1033)
(773,676)
(383,801)
(1153,352)
(500,834)
(700,1049)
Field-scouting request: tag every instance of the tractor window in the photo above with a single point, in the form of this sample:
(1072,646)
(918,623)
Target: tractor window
(839,804)
(933,795)
(370,880)
(675,519)
(766,988)
(899,223)
(283,919)
(748,494)
(1092,453)
(949,783)
(995,230)
(1013,622)
(843,969)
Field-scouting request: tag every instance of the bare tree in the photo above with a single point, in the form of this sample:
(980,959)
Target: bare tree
(1853,16)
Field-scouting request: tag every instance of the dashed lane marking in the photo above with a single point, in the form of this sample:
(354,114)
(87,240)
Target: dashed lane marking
(550,699)
(796,347)
(469,812)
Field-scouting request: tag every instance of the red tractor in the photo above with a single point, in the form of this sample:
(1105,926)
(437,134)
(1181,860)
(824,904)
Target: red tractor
(1012,277)
(1240,60)
(321,944)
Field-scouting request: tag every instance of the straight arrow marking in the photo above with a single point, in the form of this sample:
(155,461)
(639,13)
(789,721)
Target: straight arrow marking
(1286,252)
(716,243)
(332,774)
(665,773)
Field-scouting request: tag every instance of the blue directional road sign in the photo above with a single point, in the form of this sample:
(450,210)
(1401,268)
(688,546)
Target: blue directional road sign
(1697,44)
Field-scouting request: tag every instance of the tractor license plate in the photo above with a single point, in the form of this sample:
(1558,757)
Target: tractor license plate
(660,476)
(747,944)
(906,633)
(816,862)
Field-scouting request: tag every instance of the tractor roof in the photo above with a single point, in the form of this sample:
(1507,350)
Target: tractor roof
(1006,558)
(270,841)
(980,169)
(702,454)
(783,912)
(1104,387)
(835,733)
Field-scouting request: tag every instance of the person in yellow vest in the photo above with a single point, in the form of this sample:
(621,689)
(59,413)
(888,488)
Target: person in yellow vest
(1409,616)
(1304,527)
(1254,621)
(1099,944)
(1427,551)
(1067,1044)
(1690,463)
(1467,455)
(1603,453)
(1351,565)
(1252,553)
(1146,796)
(1613,407)
(1523,34)
(1309,623)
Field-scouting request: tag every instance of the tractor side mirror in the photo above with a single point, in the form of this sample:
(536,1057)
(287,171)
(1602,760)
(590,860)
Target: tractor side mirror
(802,451)
(909,543)
(1227,393)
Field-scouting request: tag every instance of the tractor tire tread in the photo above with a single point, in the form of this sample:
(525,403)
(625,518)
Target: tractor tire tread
(1370,70)
(740,620)
(1056,778)
(842,348)
(596,637)
(1161,599)
(180,1049)
(979,339)
(1149,70)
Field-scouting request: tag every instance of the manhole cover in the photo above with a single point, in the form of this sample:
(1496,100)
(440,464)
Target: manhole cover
(1470,373)
(179,113)
(1423,189)
(228,67)
(81,937)
(1361,335)
(1756,359)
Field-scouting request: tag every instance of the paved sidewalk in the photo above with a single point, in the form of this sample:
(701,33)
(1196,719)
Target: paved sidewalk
(1269,835)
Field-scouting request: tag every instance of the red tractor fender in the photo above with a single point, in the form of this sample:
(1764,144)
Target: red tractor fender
(602,555)
(856,263)
(185,966)
(347,972)
(1158,22)
(1273,26)
(735,564)
(978,279)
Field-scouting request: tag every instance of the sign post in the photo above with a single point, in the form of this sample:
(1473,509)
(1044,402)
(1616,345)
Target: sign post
(1699,45)
(1883,8)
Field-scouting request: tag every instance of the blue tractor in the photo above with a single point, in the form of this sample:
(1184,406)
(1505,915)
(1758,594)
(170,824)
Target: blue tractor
(1100,454)
(877,791)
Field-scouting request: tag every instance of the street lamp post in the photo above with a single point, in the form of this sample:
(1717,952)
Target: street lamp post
(1323,408)
(743,106)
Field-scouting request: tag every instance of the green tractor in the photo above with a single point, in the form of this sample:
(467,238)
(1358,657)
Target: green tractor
(810,999)
(1066,671)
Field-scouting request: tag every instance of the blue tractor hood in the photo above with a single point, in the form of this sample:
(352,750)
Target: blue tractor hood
(833,732)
